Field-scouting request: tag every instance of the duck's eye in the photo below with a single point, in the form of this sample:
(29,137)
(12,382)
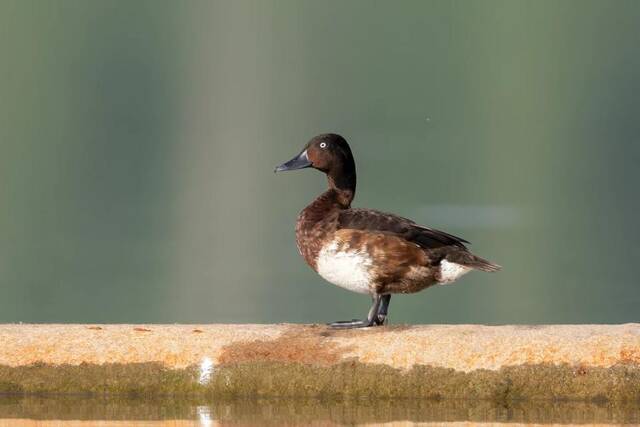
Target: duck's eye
(323,145)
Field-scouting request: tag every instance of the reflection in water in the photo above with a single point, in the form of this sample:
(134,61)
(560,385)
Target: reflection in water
(44,411)
(205,417)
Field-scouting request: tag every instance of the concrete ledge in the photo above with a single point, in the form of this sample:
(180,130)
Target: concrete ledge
(576,362)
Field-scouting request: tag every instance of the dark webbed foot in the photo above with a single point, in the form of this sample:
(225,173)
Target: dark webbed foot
(351,324)
(377,315)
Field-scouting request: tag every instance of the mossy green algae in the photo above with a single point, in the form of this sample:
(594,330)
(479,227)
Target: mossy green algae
(343,380)
(135,379)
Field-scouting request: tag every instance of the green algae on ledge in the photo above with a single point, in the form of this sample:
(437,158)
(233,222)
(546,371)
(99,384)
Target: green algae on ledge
(344,380)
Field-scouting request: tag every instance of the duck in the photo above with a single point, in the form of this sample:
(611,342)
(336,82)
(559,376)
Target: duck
(365,250)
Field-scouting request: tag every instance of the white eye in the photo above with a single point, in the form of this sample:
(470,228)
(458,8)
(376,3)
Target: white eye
(323,145)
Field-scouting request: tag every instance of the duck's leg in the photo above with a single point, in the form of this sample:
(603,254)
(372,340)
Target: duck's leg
(381,318)
(369,321)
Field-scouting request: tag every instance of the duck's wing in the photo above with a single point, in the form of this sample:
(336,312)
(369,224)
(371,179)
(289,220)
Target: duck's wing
(372,220)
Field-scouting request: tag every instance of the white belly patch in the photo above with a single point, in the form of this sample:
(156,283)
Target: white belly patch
(347,269)
(450,271)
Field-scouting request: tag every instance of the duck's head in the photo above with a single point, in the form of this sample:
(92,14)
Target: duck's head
(328,153)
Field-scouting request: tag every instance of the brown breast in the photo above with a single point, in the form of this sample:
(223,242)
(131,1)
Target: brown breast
(312,235)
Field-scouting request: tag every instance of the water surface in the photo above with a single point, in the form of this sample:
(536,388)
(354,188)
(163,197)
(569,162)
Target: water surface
(56,411)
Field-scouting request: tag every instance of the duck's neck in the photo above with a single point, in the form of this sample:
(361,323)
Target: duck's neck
(327,202)
(342,189)
(342,186)
(337,197)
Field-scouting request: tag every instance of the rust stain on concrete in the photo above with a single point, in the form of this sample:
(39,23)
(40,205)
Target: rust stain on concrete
(298,345)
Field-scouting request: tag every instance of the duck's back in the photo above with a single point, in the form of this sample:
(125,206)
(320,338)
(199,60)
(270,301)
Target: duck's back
(445,252)
(376,221)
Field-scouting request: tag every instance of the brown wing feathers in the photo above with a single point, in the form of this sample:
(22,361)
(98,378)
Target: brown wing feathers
(372,220)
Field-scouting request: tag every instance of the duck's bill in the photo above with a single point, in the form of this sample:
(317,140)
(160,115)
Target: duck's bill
(301,161)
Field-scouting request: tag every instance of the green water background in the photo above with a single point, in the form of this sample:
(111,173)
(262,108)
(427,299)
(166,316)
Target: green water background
(138,140)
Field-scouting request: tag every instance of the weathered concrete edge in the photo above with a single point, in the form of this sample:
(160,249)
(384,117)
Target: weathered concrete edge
(314,362)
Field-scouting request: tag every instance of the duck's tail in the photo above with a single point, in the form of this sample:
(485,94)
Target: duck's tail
(473,261)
